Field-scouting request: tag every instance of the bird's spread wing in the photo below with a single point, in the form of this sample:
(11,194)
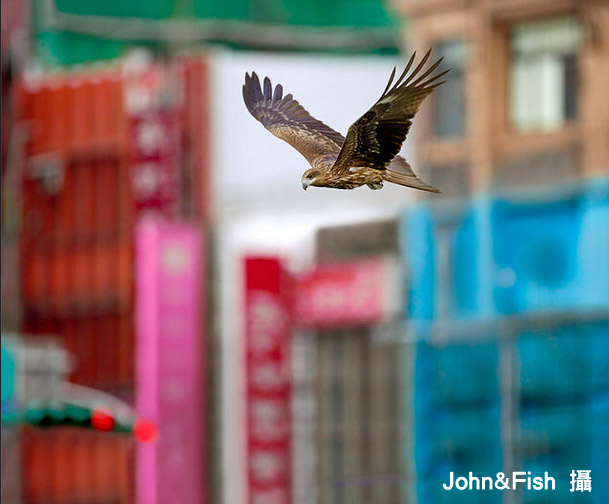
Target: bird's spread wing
(287,119)
(375,139)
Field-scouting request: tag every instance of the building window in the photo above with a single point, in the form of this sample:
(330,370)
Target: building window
(544,74)
(448,119)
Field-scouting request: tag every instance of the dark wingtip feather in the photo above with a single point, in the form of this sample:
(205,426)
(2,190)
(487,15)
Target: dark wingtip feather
(418,68)
(278,93)
(256,88)
(251,90)
(389,82)
(405,71)
(430,82)
(268,89)
(427,72)
(437,85)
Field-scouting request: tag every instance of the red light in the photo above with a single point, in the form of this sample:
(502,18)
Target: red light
(145,431)
(102,420)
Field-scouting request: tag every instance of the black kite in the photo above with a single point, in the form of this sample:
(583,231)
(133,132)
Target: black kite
(369,153)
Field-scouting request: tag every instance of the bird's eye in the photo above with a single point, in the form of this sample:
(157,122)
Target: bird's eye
(310,175)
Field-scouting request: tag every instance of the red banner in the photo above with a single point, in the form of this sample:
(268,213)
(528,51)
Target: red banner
(268,382)
(155,164)
(347,294)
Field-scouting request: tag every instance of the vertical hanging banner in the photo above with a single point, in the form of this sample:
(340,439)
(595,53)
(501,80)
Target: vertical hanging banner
(169,377)
(267,339)
(155,166)
(152,102)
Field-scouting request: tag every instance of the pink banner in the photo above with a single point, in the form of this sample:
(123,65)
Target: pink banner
(268,382)
(169,384)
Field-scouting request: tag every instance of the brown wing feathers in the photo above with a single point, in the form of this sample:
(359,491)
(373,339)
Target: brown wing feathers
(401,83)
(287,119)
(373,141)
(377,137)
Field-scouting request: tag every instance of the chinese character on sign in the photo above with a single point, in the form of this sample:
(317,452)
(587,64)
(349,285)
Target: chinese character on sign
(155,160)
(267,376)
(269,420)
(268,466)
(581,481)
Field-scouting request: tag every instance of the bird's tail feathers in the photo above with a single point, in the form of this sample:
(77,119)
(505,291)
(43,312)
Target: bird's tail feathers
(408,180)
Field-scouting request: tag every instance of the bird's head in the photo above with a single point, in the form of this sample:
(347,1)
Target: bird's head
(311,177)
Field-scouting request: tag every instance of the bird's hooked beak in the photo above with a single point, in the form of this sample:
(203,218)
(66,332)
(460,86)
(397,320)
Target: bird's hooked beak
(309,178)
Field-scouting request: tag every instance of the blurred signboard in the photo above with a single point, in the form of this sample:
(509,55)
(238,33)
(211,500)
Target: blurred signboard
(169,385)
(33,372)
(268,382)
(152,97)
(347,294)
(10,403)
(155,167)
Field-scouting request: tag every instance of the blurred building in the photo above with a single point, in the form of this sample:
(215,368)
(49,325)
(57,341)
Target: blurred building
(359,378)
(83,180)
(525,103)
(508,326)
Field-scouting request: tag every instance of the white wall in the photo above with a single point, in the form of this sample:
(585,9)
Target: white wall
(260,204)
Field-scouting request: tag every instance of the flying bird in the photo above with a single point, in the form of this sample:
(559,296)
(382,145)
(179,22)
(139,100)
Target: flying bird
(369,154)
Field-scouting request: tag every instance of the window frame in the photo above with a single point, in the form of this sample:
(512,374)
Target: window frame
(433,106)
(437,149)
(509,138)
(568,121)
